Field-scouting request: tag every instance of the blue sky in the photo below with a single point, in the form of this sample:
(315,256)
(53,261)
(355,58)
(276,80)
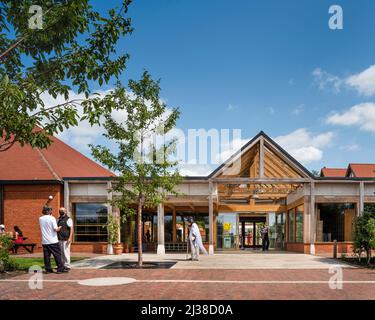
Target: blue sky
(263,65)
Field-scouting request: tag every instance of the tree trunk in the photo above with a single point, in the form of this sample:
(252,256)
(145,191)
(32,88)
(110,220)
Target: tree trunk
(140,256)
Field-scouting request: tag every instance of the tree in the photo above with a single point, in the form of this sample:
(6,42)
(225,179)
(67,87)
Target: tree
(364,232)
(75,49)
(146,173)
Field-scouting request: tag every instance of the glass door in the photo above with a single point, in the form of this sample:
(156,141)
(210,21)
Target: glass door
(249,232)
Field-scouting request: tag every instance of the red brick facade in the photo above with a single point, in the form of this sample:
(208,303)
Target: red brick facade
(23,206)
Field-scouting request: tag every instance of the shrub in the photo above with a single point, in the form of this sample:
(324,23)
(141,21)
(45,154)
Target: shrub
(7,263)
(364,233)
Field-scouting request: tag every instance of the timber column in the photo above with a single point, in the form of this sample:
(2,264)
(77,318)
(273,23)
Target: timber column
(361,203)
(312,218)
(161,247)
(211,218)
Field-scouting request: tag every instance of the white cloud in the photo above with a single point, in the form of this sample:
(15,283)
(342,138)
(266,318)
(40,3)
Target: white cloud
(83,134)
(326,80)
(304,145)
(350,147)
(361,115)
(195,170)
(363,82)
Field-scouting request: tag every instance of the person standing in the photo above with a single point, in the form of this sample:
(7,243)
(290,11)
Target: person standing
(265,238)
(50,241)
(2,229)
(195,238)
(65,236)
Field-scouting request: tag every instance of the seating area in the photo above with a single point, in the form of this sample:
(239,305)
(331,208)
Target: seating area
(29,247)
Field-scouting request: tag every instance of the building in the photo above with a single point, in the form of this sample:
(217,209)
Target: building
(261,183)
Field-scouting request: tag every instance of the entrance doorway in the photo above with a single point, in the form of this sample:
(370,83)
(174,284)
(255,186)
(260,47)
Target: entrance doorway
(249,232)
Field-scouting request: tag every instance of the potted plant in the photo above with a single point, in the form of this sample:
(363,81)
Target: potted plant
(113,227)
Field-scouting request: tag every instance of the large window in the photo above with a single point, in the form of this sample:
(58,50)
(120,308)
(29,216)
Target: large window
(90,220)
(280,230)
(295,225)
(226,225)
(291,229)
(335,222)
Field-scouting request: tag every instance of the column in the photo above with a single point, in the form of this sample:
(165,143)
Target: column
(174,231)
(312,218)
(66,196)
(161,248)
(361,204)
(211,218)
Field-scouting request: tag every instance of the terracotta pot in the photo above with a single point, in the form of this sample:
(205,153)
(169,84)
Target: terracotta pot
(126,247)
(118,248)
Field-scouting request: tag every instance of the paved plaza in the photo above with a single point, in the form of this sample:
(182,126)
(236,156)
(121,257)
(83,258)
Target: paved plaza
(222,276)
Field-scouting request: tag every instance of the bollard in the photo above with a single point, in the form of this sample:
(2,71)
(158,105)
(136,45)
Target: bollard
(335,249)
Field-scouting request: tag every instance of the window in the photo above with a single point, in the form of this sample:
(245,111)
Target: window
(226,225)
(335,222)
(90,220)
(299,226)
(291,229)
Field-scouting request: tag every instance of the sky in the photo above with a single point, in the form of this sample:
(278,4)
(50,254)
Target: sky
(258,65)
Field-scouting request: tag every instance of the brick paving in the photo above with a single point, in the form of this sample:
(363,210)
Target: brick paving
(193,290)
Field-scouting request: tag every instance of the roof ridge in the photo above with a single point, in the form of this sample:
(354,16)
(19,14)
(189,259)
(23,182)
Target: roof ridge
(48,164)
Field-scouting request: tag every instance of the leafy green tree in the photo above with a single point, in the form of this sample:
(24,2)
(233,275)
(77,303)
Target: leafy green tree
(146,173)
(74,50)
(364,232)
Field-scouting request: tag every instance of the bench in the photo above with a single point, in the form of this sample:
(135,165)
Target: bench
(29,247)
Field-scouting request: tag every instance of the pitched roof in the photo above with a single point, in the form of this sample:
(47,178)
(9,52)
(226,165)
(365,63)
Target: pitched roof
(361,170)
(272,143)
(333,172)
(54,163)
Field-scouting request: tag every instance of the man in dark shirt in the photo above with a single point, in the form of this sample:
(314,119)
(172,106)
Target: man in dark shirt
(265,237)
(65,236)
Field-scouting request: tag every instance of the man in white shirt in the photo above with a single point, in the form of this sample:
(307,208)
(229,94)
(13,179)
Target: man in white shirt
(50,242)
(195,238)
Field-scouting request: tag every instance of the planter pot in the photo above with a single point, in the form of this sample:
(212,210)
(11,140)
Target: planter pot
(109,248)
(118,248)
(127,247)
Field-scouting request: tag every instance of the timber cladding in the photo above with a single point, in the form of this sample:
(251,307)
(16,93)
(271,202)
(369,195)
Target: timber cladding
(23,206)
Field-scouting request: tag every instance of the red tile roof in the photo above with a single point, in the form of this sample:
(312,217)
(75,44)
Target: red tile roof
(361,170)
(333,172)
(57,162)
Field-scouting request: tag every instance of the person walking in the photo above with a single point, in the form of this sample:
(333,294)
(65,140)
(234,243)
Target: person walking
(65,236)
(195,238)
(265,238)
(50,241)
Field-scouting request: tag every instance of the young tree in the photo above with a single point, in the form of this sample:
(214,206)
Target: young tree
(55,47)
(146,173)
(364,232)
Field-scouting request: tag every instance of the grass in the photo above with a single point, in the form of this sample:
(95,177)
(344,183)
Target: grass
(26,263)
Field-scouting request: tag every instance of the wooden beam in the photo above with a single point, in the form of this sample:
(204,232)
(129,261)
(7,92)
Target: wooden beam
(261,181)
(261,157)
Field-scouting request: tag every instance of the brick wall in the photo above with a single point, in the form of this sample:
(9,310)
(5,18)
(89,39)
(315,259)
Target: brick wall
(23,206)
